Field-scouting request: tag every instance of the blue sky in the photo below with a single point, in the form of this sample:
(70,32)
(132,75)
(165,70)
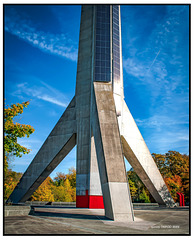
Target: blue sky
(41,46)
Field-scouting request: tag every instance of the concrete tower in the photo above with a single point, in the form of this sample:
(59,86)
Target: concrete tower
(100,123)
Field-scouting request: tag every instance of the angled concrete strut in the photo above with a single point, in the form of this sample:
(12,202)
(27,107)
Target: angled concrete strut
(59,143)
(100,123)
(138,155)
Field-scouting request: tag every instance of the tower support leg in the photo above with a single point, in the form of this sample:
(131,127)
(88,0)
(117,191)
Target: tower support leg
(139,157)
(116,194)
(59,143)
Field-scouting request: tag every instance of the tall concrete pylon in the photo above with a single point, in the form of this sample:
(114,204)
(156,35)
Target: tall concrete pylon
(100,123)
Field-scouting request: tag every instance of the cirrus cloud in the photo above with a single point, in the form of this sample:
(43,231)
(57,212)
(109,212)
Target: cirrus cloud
(57,44)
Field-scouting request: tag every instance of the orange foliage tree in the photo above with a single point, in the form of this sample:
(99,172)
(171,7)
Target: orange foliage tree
(174,168)
(174,185)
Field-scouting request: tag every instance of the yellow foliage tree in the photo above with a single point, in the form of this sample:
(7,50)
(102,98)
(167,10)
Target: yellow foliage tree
(44,192)
(72,177)
(67,191)
(64,193)
(9,187)
(133,189)
(11,179)
(62,189)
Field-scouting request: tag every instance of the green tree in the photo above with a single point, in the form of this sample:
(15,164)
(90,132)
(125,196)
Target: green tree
(137,187)
(143,197)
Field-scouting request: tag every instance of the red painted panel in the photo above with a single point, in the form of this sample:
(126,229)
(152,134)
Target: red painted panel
(82,201)
(85,201)
(96,202)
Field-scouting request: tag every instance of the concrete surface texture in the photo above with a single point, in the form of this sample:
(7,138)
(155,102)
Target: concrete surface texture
(117,202)
(97,119)
(16,210)
(83,107)
(59,221)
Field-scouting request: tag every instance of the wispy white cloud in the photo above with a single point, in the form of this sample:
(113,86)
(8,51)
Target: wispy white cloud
(169,140)
(156,66)
(158,121)
(166,133)
(42,91)
(163,44)
(135,67)
(58,44)
(52,100)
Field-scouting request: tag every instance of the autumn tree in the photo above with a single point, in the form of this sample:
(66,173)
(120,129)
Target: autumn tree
(44,192)
(11,179)
(65,190)
(72,177)
(61,189)
(172,163)
(185,184)
(174,168)
(138,190)
(13,131)
(133,189)
(174,185)
(60,179)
